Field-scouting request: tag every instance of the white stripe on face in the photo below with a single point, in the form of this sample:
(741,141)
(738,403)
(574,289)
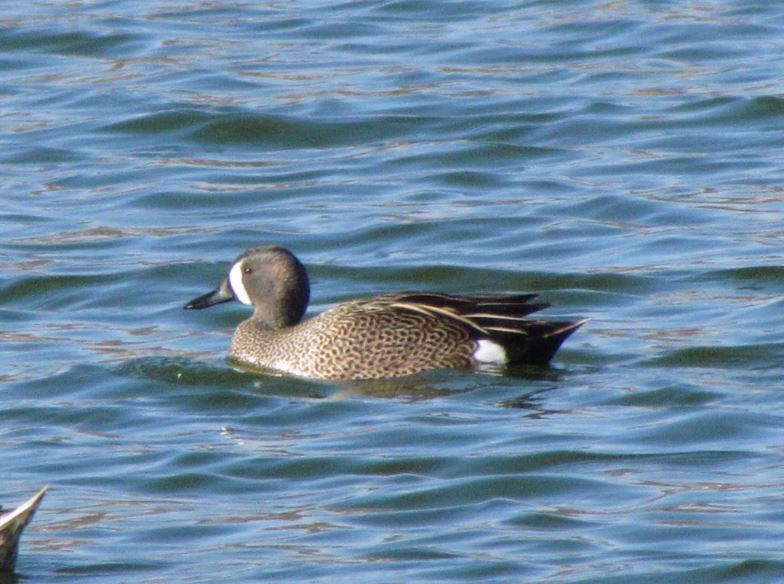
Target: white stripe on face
(235,279)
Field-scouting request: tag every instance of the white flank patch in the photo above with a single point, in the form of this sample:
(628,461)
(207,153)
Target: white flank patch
(490,352)
(284,367)
(235,279)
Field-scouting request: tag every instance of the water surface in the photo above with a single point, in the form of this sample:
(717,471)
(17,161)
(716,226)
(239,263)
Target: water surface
(623,159)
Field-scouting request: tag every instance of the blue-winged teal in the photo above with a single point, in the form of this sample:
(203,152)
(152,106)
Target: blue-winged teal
(12,524)
(383,336)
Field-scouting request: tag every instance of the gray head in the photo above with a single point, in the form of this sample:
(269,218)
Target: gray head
(271,279)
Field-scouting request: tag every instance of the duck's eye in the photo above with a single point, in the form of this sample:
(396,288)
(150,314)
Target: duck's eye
(247,270)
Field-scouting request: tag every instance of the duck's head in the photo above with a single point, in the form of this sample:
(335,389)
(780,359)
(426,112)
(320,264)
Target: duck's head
(271,279)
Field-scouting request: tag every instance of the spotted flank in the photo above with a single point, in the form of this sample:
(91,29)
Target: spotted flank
(383,336)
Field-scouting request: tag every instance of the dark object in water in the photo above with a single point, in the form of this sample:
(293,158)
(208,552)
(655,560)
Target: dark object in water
(12,524)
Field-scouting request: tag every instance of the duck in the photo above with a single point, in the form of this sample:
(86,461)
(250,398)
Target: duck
(383,336)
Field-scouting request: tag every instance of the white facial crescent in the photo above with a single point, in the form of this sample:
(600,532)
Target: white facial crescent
(235,279)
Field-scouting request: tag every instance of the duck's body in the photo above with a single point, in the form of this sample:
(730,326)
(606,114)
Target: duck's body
(385,336)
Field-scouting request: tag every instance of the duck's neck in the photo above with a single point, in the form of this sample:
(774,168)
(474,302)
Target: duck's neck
(276,319)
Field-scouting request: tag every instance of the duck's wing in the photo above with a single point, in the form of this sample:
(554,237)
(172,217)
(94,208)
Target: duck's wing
(477,312)
(12,524)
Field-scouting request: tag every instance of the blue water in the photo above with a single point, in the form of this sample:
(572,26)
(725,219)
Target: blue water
(623,159)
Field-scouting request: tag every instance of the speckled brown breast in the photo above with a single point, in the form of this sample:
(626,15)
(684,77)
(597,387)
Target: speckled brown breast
(357,340)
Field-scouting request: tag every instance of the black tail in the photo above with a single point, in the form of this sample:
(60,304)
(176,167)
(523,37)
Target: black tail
(539,343)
